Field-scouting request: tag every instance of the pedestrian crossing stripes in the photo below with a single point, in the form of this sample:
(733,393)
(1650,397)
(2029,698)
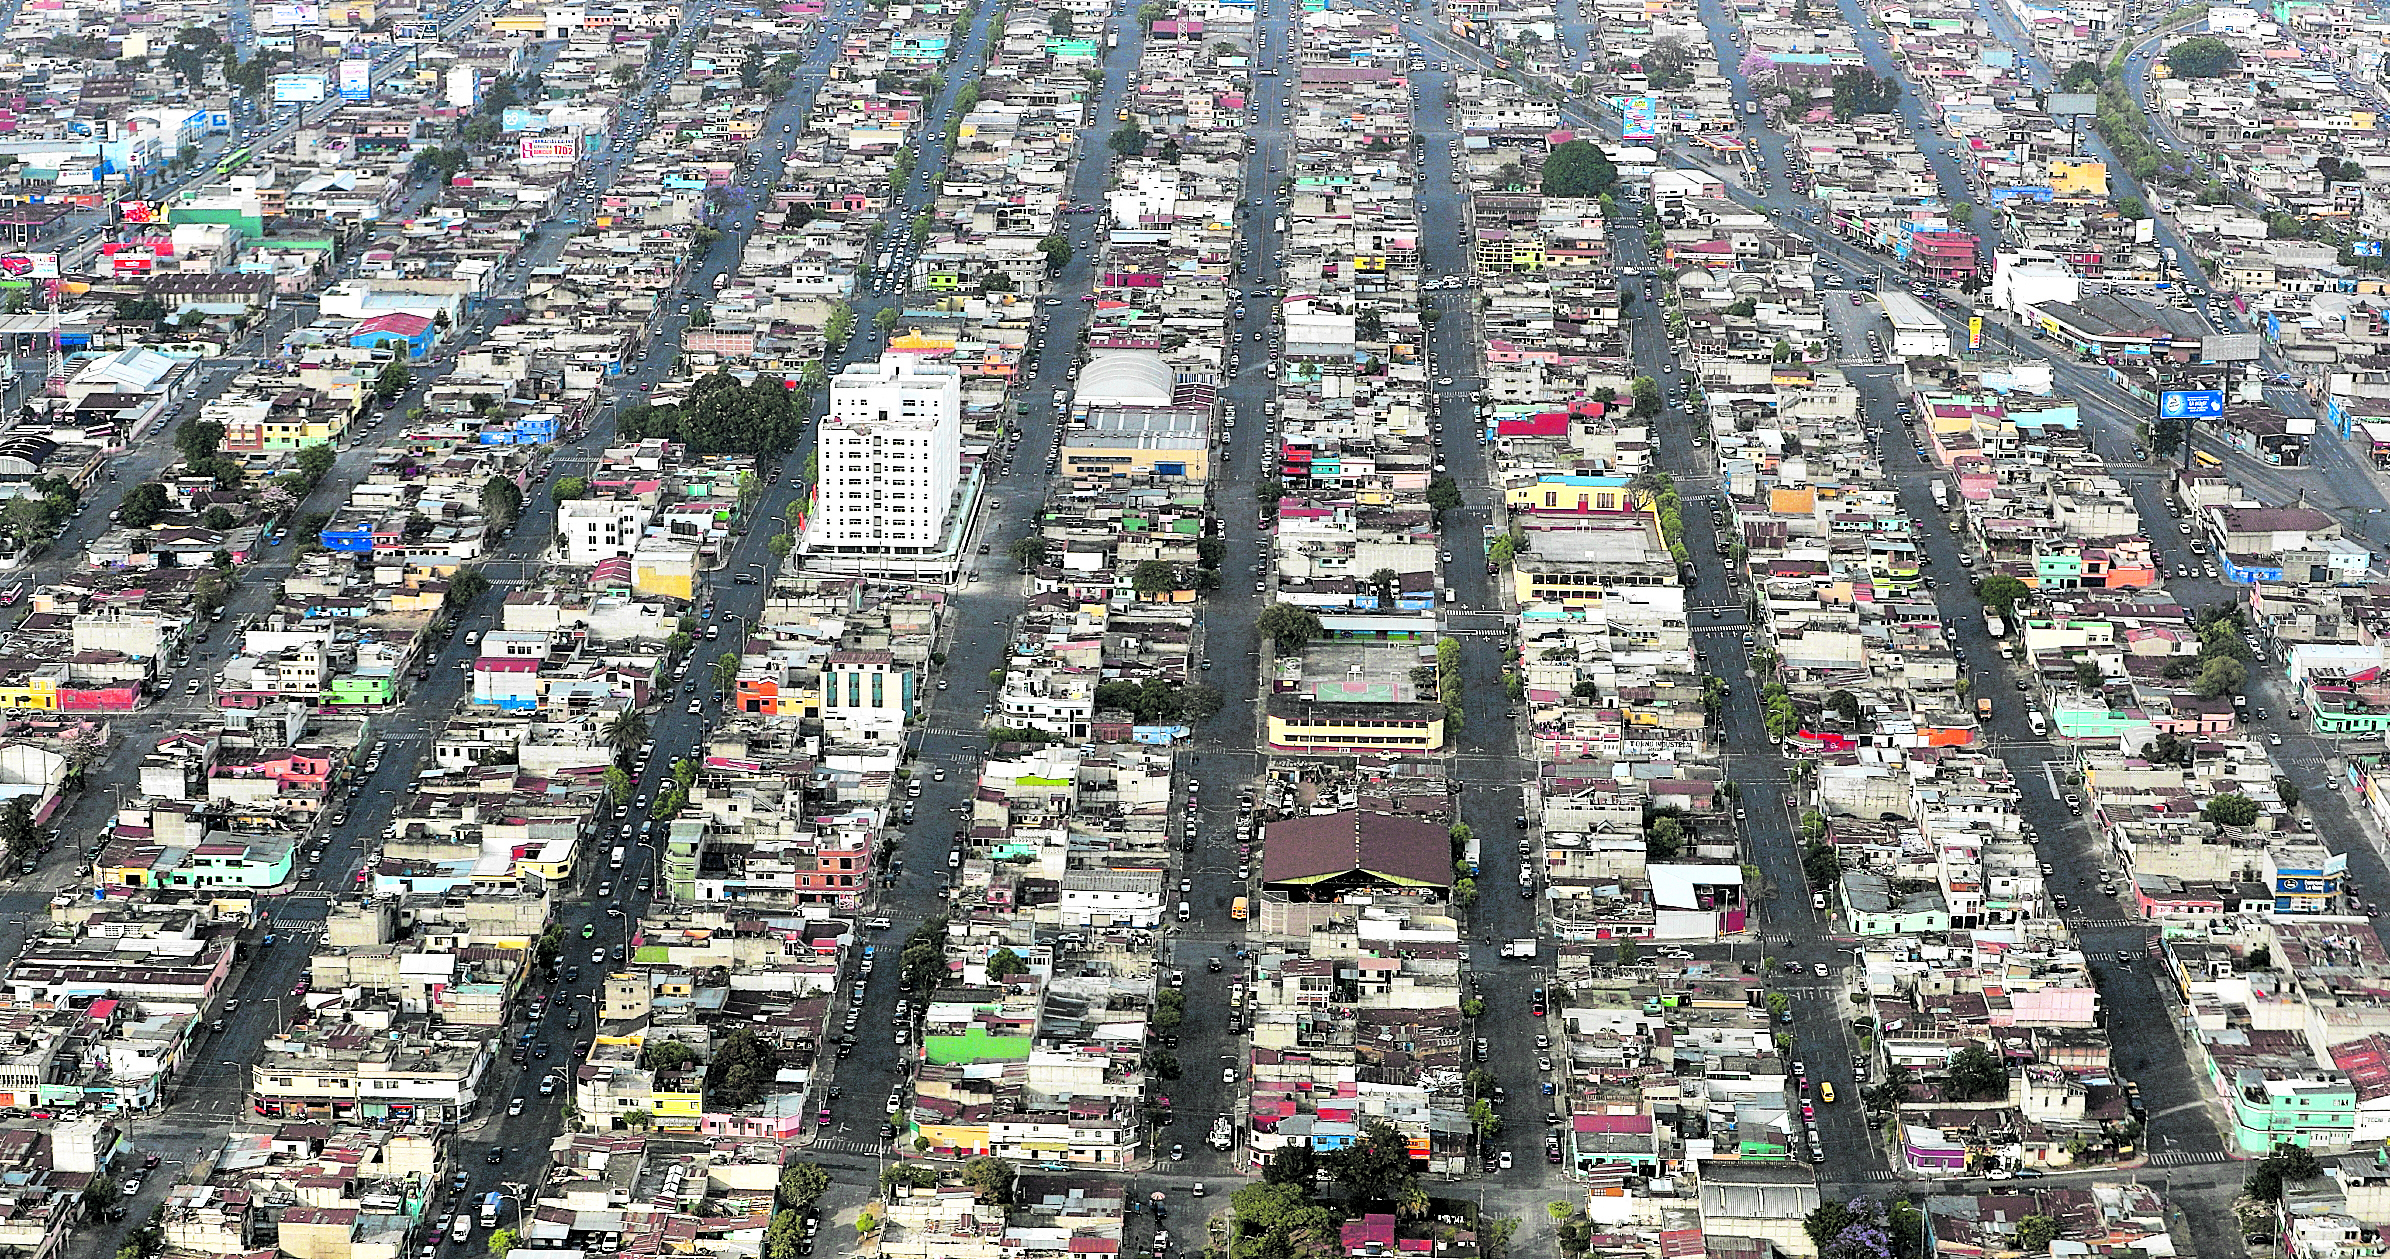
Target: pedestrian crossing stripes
(2188,1158)
(2105,924)
(833,1145)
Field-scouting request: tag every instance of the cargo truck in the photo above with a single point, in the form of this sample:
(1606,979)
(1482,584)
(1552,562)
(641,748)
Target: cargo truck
(489,1209)
(1983,710)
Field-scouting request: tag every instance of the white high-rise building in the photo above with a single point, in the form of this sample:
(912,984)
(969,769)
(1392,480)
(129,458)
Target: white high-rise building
(890,458)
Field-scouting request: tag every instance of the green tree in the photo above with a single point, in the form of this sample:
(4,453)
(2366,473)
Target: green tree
(2288,1164)
(1003,964)
(2082,76)
(504,1241)
(392,381)
(1578,168)
(1289,625)
(2088,674)
(1443,494)
(991,1177)
(568,488)
(1128,139)
(1153,577)
(2000,593)
(501,500)
(1060,23)
(198,440)
(2202,57)
(667,1056)
(1377,1167)
(216,519)
(784,1238)
(742,1071)
(2220,676)
(2034,1233)
(144,504)
(1296,1165)
(17,831)
(1977,1076)
(801,1184)
(2231,808)
(1845,706)
(315,463)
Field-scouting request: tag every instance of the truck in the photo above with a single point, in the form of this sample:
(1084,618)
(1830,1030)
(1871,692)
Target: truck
(1751,108)
(615,858)
(1994,624)
(2040,724)
(1237,909)
(1983,709)
(1941,493)
(460,1228)
(720,280)
(1112,40)
(489,1209)
(1519,948)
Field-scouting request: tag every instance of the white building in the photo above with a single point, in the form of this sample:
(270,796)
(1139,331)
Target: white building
(593,529)
(866,697)
(891,459)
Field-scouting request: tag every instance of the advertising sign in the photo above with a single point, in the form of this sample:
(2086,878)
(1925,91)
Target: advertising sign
(2191,404)
(2231,347)
(2366,248)
(136,212)
(517,118)
(29,266)
(2070,104)
(1641,118)
(417,33)
(356,80)
(535,149)
(299,89)
(1975,332)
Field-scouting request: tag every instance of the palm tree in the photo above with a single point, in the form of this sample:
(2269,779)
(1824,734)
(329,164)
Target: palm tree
(1384,581)
(626,733)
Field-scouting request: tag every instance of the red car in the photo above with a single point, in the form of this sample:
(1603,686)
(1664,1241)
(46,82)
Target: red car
(822,1117)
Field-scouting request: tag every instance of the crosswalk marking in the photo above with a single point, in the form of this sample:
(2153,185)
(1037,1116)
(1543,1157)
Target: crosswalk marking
(835,1145)
(2186,1158)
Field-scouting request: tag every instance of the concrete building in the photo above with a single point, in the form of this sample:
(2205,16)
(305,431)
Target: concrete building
(891,461)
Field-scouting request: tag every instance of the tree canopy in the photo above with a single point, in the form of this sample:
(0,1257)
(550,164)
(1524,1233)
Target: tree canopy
(2202,57)
(1578,168)
(723,416)
(742,1071)
(1377,1168)
(2231,809)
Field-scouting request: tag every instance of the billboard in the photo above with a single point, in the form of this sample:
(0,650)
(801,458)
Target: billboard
(2071,104)
(299,89)
(356,80)
(2231,347)
(517,118)
(2366,248)
(535,149)
(2191,404)
(29,266)
(416,33)
(292,13)
(137,211)
(1975,332)
(1640,118)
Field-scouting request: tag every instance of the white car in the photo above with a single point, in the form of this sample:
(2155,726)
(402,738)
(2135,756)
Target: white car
(1228,1075)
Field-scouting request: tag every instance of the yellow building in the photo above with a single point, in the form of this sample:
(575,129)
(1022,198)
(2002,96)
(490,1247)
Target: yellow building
(1298,724)
(665,568)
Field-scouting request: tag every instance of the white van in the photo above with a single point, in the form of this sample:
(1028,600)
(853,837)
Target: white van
(1185,911)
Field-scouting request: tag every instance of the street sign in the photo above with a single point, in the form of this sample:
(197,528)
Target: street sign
(2191,404)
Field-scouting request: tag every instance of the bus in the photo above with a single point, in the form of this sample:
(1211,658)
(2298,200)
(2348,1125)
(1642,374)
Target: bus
(233,161)
(12,594)
(2206,460)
